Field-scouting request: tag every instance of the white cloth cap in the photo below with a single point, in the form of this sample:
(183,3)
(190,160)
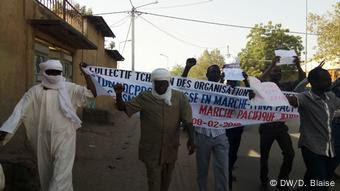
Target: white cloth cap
(160,74)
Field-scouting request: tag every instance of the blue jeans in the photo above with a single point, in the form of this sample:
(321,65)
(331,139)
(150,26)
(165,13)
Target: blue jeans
(219,148)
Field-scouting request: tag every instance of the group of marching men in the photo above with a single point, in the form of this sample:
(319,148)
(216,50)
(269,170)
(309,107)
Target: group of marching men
(48,112)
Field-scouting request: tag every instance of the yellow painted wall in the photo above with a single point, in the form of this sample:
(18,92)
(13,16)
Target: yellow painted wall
(98,58)
(17,52)
(13,63)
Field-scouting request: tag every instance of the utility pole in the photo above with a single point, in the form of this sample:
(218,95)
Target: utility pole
(133,38)
(306,55)
(133,17)
(228,53)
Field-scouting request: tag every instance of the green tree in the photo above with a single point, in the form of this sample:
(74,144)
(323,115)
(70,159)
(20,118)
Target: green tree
(83,9)
(112,45)
(177,70)
(207,59)
(199,71)
(262,41)
(328,29)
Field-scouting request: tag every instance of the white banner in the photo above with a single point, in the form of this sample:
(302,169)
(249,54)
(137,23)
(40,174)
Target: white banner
(214,105)
(286,56)
(233,74)
(267,93)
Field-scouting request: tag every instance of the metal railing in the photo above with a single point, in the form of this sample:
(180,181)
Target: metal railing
(64,10)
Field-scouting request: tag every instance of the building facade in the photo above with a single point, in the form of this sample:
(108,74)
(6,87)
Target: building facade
(33,31)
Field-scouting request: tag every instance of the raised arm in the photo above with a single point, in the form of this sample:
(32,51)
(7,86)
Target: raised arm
(188,65)
(89,83)
(266,73)
(293,101)
(302,74)
(2,135)
(119,100)
(246,83)
(301,87)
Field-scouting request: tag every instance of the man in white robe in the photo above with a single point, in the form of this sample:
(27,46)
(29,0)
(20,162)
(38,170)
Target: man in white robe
(48,112)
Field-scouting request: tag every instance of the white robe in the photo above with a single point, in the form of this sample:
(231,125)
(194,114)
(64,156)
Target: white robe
(52,135)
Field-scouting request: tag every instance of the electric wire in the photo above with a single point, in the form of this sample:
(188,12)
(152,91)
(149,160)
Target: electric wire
(180,5)
(127,36)
(118,23)
(174,37)
(214,23)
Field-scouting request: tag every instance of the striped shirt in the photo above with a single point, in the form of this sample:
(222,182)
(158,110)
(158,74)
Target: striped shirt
(315,117)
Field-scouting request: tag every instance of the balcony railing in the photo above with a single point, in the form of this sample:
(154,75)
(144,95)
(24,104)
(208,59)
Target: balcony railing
(64,10)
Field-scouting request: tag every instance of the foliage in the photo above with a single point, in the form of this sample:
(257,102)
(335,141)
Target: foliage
(83,9)
(207,59)
(262,41)
(199,71)
(177,70)
(328,29)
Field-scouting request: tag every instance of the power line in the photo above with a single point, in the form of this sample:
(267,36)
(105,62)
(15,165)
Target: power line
(197,21)
(118,22)
(180,5)
(131,4)
(110,13)
(127,36)
(213,23)
(173,36)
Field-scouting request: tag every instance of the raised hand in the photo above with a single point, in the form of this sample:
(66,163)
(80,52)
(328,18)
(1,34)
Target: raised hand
(119,88)
(190,62)
(83,64)
(296,61)
(245,75)
(2,135)
(276,60)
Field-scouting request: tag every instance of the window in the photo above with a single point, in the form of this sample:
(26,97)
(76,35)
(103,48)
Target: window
(40,55)
(68,66)
(43,52)
(68,70)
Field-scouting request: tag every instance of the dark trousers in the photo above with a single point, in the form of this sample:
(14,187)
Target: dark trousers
(336,138)
(234,137)
(159,176)
(318,167)
(285,143)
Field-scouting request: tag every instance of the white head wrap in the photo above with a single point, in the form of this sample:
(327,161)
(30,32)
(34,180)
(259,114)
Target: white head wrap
(158,75)
(51,82)
(58,83)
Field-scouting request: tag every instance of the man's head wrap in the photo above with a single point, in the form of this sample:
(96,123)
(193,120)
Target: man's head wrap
(49,81)
(51,65)
(161,74)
